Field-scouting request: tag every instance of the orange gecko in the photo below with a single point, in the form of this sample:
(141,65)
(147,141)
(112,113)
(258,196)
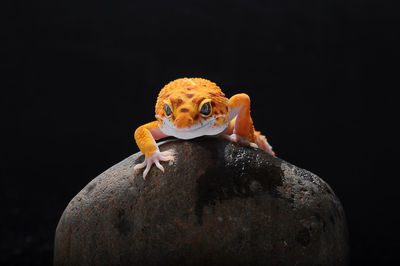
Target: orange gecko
(187,108)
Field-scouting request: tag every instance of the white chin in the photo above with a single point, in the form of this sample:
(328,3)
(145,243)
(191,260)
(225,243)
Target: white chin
(195,131)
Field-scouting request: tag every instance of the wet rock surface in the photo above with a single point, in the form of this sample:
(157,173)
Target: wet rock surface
(218,203)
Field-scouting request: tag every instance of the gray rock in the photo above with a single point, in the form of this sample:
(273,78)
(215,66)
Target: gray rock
(218,203)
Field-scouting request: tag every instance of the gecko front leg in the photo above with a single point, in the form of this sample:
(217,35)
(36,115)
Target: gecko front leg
(145,137)
(241,128)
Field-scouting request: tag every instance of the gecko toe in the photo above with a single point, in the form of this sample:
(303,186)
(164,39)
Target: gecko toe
(140,165)
(166,156)
(254,145)
(238,139)
(155,159)
(148,166)
(159,166)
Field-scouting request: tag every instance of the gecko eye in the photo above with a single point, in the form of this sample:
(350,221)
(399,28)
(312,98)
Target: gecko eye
(167,109)
(206,109)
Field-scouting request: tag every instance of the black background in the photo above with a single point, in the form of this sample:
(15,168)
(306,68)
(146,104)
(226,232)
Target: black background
(81,76)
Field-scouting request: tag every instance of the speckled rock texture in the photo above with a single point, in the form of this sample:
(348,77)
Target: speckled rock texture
(218,203)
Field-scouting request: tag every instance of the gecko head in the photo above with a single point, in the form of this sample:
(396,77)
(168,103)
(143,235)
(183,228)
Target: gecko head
(191,107)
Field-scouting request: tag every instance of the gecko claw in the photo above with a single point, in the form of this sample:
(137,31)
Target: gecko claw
(156,158)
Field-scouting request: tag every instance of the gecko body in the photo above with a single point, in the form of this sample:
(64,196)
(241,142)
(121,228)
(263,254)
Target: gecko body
(187,108)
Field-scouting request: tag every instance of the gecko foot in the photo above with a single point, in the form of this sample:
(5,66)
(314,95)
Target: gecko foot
(263,144)
(156,158)
(240,140)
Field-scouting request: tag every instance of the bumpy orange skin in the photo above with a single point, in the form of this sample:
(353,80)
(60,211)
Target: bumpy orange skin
(145,139)
(186,96)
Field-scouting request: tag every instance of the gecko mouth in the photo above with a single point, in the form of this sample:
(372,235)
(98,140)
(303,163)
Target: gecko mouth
(197,130)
